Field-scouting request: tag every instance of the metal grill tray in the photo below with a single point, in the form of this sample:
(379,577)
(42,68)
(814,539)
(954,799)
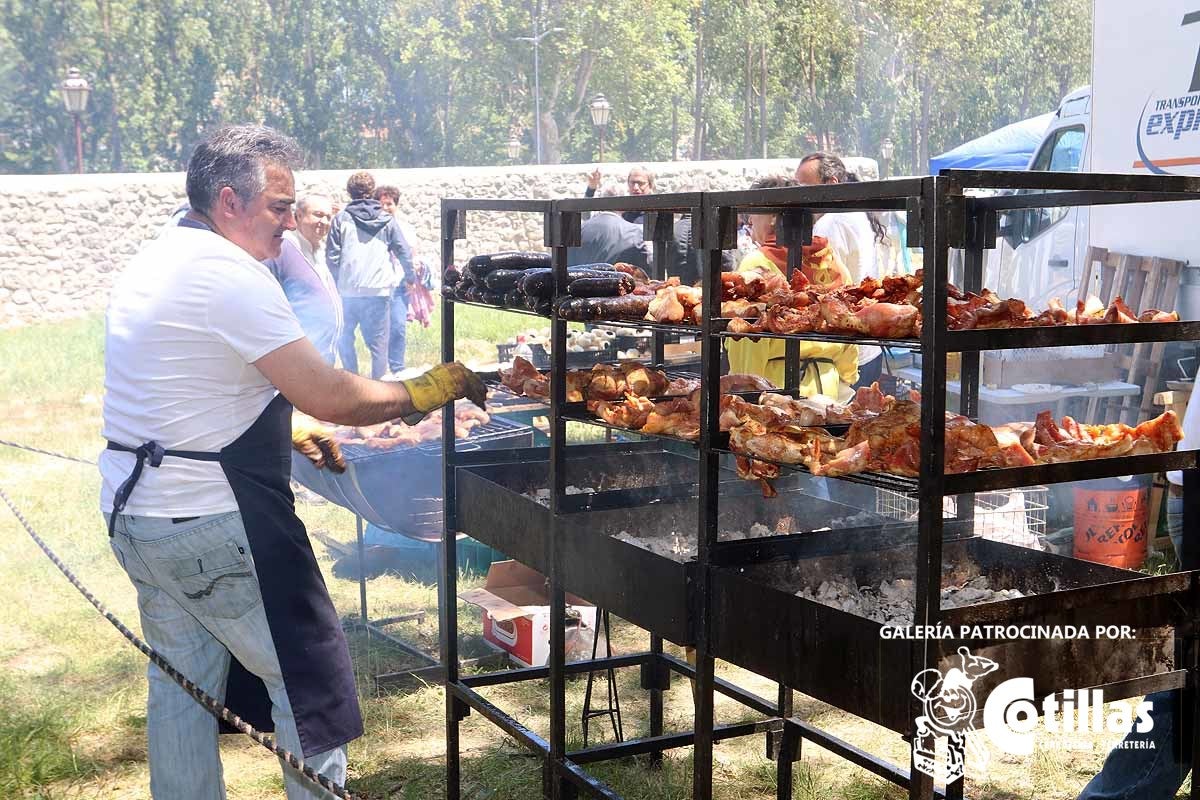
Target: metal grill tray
(760,624)
(401,488)
(646,492)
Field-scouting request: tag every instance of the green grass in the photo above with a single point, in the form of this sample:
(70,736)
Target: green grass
(72,691)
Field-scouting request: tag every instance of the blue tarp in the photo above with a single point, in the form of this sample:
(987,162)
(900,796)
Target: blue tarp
(1010,147)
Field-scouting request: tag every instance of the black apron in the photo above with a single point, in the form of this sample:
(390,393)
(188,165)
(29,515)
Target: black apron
(313,655)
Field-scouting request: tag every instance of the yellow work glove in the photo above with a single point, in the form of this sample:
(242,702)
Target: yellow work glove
(443,384)
(317,444)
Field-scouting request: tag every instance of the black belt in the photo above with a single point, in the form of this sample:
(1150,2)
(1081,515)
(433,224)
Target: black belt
(811,363)
(155,453)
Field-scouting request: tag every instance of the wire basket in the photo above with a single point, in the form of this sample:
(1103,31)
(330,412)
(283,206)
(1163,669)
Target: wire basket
(1013,516)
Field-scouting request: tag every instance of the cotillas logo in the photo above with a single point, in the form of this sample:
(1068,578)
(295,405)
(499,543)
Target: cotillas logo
(1010,716)
(1166,118)
(949,706)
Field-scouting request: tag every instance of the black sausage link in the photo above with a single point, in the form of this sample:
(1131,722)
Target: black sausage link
(540,282)
(514,299)
(580,309)
(613,285)
(501,280)
(483,264)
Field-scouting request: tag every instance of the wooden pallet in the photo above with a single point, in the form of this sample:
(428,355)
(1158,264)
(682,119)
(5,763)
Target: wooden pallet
(1144,282)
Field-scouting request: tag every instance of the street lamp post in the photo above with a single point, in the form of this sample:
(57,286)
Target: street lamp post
(514,148)
(601,110)
(75,90)
(537,82)
(886,151)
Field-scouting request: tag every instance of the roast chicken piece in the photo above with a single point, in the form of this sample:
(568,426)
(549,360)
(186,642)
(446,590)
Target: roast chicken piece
(666,307)
(788,319)
(577,385)
(871,318)
(515,377)
(751,284)
(677,417)
(630,414)
(646,382)
(744,382)
(753,470)
(1072,441)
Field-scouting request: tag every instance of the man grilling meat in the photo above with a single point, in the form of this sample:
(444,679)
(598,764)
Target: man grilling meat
(204,360)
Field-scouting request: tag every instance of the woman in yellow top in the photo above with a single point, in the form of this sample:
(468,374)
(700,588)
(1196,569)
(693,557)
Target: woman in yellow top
(825,368)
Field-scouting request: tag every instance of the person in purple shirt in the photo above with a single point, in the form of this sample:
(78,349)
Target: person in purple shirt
(307,282)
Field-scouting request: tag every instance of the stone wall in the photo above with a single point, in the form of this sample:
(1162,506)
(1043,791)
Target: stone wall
(65,237)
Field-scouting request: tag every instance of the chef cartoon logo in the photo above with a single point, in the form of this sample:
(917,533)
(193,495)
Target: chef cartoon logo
(949,707)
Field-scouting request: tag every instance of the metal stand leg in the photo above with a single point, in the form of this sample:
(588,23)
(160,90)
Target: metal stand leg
(656,700)
(702,752)
(362,570)
(787,747)
(920,785)
(612,709)
(954,789)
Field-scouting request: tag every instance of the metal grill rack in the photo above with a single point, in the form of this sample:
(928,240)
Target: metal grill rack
(737,599)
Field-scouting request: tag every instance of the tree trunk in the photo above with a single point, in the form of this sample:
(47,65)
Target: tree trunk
(551,146)
(698,102)
(747,104)
(116,163)
(762,101)
(923,153)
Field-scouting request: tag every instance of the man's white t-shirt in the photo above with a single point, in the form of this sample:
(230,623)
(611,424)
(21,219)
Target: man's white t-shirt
(185,321)
(851,237)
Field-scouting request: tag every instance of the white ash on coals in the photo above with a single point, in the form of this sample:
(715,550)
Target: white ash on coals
(891,603)
(542,496)
(682,546)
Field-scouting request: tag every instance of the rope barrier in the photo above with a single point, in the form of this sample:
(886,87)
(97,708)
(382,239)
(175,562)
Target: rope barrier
(209,703)
(51,453)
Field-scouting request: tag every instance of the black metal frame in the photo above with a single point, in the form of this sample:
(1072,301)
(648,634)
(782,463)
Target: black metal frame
(941,217)
(563,773)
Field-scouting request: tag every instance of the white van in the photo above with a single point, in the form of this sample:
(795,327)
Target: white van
(1042,250)
(1141,115)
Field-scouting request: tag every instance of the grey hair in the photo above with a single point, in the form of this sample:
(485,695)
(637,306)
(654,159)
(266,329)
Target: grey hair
(236,156)
(642,169)
(307,200)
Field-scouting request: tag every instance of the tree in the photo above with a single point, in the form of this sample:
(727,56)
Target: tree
(442,82)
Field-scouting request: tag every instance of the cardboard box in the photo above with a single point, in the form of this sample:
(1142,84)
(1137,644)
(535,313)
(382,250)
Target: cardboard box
(515,605)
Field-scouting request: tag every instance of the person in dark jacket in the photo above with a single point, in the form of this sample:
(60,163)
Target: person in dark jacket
(685,258)
(606,237)
(362,241)
(639,181)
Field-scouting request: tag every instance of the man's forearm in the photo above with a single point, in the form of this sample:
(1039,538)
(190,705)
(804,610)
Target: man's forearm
(355,400)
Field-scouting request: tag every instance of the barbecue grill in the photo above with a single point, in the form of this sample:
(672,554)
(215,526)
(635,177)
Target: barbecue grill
(737,599)
(399,489)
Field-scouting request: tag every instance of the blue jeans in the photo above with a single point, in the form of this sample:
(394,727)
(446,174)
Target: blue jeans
(371,314)
(199,599)
(1157,773)
(1175,523)
(398,332)
(1133,774)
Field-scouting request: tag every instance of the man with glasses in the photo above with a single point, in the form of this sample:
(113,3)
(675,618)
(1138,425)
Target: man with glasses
(638,182)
